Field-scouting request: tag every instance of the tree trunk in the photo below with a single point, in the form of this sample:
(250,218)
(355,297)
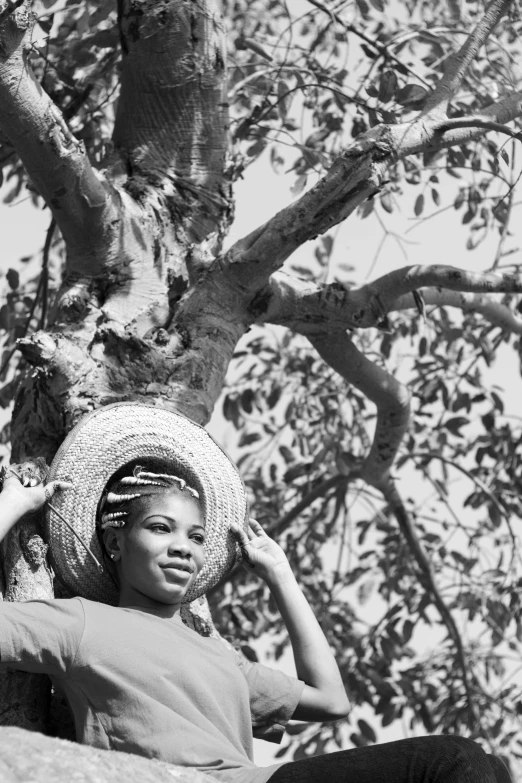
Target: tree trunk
(136,317)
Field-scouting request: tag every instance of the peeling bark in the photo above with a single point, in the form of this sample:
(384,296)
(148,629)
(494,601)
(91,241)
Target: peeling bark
(314,309)
(55,160)
(172,121)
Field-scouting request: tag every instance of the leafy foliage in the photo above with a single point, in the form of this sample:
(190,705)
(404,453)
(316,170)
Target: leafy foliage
(300,429)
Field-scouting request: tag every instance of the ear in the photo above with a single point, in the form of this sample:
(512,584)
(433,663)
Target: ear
(111,541)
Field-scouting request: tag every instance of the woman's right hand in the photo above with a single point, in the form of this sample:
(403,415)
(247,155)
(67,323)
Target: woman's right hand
(26,494)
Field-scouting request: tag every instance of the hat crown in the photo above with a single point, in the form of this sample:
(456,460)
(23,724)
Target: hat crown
(102,443)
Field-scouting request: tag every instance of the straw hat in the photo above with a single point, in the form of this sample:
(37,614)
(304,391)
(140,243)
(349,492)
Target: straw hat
(102,443)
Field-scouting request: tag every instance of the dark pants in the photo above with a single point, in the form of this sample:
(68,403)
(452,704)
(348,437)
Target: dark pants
(439,759)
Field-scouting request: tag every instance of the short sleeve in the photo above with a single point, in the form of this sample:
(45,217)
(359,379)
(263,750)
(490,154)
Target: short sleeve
(40,636)
(274,697)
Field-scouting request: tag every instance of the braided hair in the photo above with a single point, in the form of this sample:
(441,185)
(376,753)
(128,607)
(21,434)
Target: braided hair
(132,483)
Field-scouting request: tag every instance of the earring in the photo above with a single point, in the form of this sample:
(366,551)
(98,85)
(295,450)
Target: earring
(112,556)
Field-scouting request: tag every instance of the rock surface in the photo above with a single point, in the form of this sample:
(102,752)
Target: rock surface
(31,757)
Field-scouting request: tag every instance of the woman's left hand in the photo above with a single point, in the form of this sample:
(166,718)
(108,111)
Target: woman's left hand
(261,555)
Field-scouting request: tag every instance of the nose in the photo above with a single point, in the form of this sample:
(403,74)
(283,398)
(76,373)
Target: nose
(180,547)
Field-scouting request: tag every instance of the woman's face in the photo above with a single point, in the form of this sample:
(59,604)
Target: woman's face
(160,551)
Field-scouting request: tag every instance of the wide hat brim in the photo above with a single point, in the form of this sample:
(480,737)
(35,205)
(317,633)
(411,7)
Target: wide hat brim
(102,443)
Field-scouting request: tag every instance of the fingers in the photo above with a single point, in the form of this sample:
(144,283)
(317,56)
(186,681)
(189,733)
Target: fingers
(256,527)
(53,486)
(26,478)
(240,535)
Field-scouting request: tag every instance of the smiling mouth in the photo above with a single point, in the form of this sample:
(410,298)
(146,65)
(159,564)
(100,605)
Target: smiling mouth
(178,567)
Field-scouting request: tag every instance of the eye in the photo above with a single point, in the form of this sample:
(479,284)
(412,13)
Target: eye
(159,527)
(198,538)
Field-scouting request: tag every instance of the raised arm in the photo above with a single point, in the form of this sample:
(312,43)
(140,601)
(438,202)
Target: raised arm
(324,696)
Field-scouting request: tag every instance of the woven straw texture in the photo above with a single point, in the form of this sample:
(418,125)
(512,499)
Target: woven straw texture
(106,440)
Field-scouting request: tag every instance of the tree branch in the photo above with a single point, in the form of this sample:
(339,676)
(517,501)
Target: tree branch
(458,63)
(357,174)
(428,581)
(55,161)
(391,398)
(314,309)
(479,122)
(493,117)
(393,409)
(494,312)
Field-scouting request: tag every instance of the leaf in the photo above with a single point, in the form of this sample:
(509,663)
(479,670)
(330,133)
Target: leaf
(284,98)
(454,424)
(488,420)
(296,728)
(366,730)
(273,397)
(13,278)
(411,93)
(46,22)
(257,148)
(297,471)
(499,405)
(247,400)
(388,715)
(388,86)
(459,200)
(363,7)
(435,196)
(248,437)
(407,631)
(365,209)
(249,43)
(419,205)
(378,5)
(299,185)
(386,202)
(276,159)
(358,740)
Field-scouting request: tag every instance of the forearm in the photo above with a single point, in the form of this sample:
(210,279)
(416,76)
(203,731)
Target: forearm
(314,660)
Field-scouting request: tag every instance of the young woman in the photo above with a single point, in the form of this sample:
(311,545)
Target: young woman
(139,680)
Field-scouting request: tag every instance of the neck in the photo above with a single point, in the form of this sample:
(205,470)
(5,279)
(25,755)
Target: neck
(132,598)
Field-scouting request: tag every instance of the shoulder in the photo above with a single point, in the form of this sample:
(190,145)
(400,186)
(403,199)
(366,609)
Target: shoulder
(71,606)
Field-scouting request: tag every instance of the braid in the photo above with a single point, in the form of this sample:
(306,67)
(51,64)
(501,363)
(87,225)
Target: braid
(122,490)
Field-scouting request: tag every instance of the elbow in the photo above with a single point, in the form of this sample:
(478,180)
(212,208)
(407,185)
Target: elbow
(339,708)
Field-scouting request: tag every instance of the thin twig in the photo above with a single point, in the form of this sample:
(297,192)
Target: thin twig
(279,527)
(478,483)
(382,49)
(478,122)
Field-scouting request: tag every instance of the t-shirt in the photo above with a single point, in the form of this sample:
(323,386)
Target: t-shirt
(146,684)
